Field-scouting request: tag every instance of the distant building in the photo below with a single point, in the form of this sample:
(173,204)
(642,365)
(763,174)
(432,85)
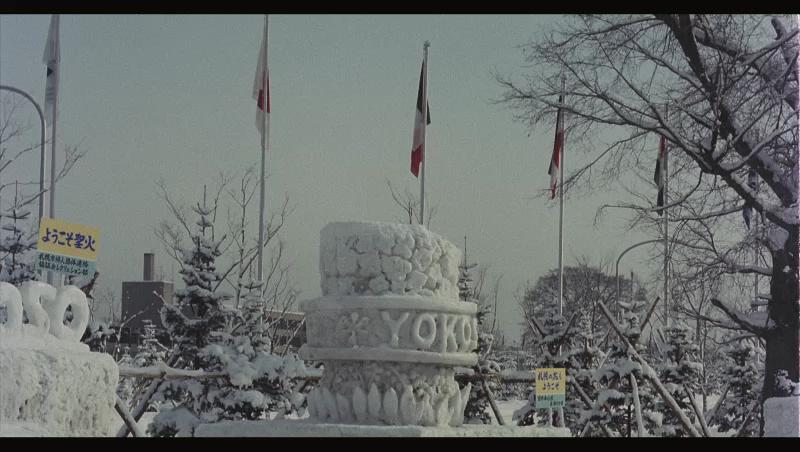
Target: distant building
(142,300)
(288,331)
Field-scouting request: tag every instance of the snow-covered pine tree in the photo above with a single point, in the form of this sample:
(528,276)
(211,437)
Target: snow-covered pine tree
(213,337)
(465,289)
(680,372)
(477,409)
(254,324)
(557,349)
(744,389)
(614,405)
(197,319)
(150,351)
(584,357)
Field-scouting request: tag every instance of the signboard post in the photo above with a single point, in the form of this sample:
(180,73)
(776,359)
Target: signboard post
(550,387)
(67,248)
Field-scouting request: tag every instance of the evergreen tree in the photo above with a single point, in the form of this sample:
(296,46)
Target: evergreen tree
(477,409)
(584,357)
(150,351)
(680,372)
(744,389)
(550,345)
(213,337)
(567,346)
(613,406)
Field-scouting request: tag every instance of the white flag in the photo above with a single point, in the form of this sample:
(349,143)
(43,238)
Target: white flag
(261,84)
(52,55)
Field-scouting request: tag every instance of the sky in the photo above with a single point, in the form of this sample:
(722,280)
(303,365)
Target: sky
(155,96)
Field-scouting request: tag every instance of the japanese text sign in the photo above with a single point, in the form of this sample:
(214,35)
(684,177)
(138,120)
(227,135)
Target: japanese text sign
(66,239)
(67,248)
(551,386)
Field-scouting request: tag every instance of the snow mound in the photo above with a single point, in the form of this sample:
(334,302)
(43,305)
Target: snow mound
(782,417)
(53,387)
(309,428)
(387,258)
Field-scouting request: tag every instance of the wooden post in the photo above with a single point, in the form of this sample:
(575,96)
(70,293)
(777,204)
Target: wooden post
(588,402)
(123,412)
(698,412)
(490,396)
(640,431)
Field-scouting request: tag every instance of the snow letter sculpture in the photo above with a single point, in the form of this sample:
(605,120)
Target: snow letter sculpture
(389,327)
(50,383)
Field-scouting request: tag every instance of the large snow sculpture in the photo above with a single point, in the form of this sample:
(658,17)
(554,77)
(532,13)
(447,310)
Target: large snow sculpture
(389,327)
(50,383)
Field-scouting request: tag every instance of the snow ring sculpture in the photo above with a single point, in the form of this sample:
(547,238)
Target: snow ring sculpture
(389,327)
(68,296)
(11,299)
(33,293)
(45,307)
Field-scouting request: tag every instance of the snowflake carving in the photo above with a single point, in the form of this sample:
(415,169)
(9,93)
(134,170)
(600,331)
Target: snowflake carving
(352,325)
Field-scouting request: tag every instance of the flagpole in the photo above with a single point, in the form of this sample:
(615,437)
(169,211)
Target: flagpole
(561,210)
(52,194)
(666,233)
(424,132)
(264,148)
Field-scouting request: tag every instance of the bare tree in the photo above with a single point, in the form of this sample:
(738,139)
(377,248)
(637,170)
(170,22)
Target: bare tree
(410,205)
(585,286)
(240,248)
(18,226)
(15,145)
(723,90)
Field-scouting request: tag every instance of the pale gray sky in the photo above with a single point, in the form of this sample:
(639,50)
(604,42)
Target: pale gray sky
(152,96)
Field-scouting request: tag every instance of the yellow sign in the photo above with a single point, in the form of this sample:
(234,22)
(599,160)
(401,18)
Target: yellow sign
(67,239)
(551,384)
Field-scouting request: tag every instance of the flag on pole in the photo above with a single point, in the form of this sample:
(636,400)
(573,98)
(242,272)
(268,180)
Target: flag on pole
(752,182)
(658,177)
(261,85)
(558,148)
(52,55)
(421,119)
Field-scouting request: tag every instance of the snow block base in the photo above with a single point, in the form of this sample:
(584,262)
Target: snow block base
(49,387)
(306,428)
(782,417)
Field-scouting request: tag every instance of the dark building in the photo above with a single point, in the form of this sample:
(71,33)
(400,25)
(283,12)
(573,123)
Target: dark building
(142,300)
(288,330)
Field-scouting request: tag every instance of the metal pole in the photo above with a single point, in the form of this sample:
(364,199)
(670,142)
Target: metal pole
(616,267)
(755,264)
(424,132)
(43,139)
(561,210)
(264,147)
(666,235)
(631,300)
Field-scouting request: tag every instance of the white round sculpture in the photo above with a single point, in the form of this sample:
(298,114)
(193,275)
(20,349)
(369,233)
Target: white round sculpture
(389,327)
(50,383)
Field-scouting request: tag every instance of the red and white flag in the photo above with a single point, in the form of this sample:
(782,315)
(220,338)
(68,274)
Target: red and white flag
(558,149)
(261,84)
(421,119)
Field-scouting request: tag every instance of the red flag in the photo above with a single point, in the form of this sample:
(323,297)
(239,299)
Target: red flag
(421,119)
(558,148)
(261,84)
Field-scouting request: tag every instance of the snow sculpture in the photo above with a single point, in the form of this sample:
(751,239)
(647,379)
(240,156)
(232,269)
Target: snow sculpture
(50,383)
(389,327)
